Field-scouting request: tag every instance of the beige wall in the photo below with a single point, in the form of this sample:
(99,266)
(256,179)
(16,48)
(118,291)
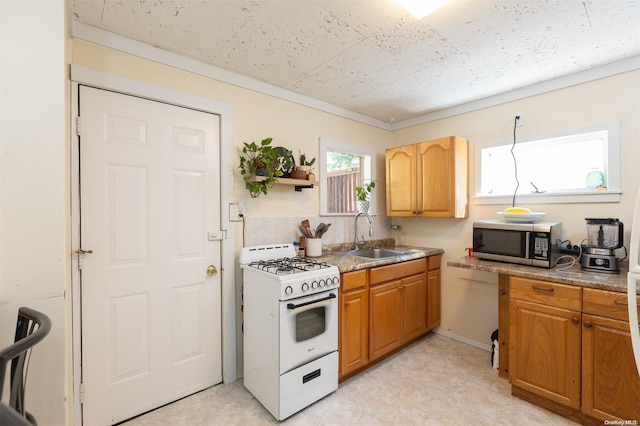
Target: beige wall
(255,116)
(469,298)
(34,215)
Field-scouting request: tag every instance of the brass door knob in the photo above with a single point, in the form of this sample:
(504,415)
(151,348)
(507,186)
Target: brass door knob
(211,270)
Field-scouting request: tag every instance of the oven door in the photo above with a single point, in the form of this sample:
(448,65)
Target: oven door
(308,329)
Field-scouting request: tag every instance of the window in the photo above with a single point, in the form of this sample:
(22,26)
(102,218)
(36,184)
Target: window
(342,167)
(581,165)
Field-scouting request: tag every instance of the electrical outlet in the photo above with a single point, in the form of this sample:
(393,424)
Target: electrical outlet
(519,120)
(236,212)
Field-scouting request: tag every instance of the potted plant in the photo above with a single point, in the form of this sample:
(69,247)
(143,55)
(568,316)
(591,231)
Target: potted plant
(363,194)
(259,160)
(305,166)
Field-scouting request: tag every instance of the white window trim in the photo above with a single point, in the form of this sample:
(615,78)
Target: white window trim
(611,195)
(327,144)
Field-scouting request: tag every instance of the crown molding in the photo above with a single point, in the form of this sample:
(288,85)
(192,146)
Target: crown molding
(143,50)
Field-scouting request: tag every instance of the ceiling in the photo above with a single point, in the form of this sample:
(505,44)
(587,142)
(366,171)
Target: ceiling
(370,56)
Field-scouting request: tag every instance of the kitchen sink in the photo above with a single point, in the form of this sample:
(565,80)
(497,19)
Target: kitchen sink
(376,253)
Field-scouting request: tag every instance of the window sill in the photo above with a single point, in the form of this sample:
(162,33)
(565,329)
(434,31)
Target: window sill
(551,198)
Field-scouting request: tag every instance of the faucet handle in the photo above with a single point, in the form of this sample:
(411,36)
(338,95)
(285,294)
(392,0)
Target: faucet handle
(371,231)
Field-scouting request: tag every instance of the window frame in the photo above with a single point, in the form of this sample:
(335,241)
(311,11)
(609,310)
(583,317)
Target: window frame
(327,144)
(611,195)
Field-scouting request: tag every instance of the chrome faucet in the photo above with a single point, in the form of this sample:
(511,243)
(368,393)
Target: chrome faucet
(355,229)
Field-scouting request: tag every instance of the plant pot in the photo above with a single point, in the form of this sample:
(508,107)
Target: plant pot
(298,174)
(363,206)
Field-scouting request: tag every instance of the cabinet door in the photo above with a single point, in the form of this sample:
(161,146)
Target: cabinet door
(401,181)
(413,297)
(433,298)
(384,319)
(610,381)
(545,352)
(436,184)
(354,331)
(442,175)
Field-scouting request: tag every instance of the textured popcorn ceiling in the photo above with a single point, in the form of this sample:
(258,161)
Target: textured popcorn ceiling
(371,57)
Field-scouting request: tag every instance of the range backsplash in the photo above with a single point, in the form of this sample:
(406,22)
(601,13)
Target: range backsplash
(270,230)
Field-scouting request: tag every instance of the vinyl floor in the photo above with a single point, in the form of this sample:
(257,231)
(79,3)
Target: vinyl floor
(435,381)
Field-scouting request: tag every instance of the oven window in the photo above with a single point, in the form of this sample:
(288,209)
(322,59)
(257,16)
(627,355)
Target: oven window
(310,323)
(507,243)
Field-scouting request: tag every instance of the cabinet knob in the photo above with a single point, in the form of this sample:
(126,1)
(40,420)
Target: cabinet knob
(588,324)
(575,320)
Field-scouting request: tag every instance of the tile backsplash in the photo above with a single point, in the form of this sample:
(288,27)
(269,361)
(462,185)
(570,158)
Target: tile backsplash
(273,230)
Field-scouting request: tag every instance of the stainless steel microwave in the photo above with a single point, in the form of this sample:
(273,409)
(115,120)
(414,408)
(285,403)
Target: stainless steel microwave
(524,243)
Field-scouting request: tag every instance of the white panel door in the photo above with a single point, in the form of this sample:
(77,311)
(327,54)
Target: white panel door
(149,199)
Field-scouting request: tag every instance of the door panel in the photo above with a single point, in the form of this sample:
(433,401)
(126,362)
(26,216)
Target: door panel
(150,194)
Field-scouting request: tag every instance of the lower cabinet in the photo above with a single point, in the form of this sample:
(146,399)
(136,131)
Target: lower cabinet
(384,308)
(610,380)
(353,320)
(398,312)
(545,351)
(571,346)
(433,292)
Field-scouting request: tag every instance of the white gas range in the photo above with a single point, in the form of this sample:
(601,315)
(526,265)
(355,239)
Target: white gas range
(290,328)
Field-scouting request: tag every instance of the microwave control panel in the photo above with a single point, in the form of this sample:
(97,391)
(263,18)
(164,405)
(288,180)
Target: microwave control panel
(541,247)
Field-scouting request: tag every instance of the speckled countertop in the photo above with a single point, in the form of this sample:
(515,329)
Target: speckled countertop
(573,275)
(336,255)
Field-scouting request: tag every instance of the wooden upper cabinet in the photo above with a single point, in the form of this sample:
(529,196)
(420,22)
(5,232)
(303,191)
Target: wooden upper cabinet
(401,181)
(429,179)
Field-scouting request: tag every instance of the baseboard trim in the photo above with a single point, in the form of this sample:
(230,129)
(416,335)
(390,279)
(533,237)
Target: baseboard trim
(479,345)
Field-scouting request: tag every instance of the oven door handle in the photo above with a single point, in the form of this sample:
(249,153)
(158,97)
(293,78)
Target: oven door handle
(311,302)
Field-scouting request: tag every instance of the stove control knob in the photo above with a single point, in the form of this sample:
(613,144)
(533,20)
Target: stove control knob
(288,290)
(336,280)
(305,287)
(315,284)
(322,283)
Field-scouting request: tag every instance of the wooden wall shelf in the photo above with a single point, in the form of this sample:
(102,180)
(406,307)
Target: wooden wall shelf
(298,184)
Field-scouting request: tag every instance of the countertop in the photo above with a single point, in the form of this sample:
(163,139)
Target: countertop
(573,275)
(337,256)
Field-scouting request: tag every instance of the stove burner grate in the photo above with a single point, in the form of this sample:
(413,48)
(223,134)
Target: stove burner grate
(288,265)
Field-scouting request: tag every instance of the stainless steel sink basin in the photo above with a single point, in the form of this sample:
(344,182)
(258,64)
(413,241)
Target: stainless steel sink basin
(376,253)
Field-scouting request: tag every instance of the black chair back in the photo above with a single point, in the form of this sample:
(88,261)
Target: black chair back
(32,326)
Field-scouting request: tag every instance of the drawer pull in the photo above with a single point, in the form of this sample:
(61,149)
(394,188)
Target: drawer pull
(535,287)
(587,324)
(621,302)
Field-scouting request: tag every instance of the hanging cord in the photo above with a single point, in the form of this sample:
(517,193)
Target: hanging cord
(515,163)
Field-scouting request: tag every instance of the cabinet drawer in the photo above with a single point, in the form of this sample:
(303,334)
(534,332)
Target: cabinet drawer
(353,280)
(433,262)
(397,270)
(605,303)
(552,294)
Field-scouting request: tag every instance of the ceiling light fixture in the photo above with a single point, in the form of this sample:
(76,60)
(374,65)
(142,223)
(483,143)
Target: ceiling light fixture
(421,8)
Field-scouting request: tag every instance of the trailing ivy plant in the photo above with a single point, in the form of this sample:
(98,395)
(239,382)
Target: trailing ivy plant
(259,160)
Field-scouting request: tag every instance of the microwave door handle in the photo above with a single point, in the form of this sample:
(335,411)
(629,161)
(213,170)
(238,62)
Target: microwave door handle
(311,302)
(527,241)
